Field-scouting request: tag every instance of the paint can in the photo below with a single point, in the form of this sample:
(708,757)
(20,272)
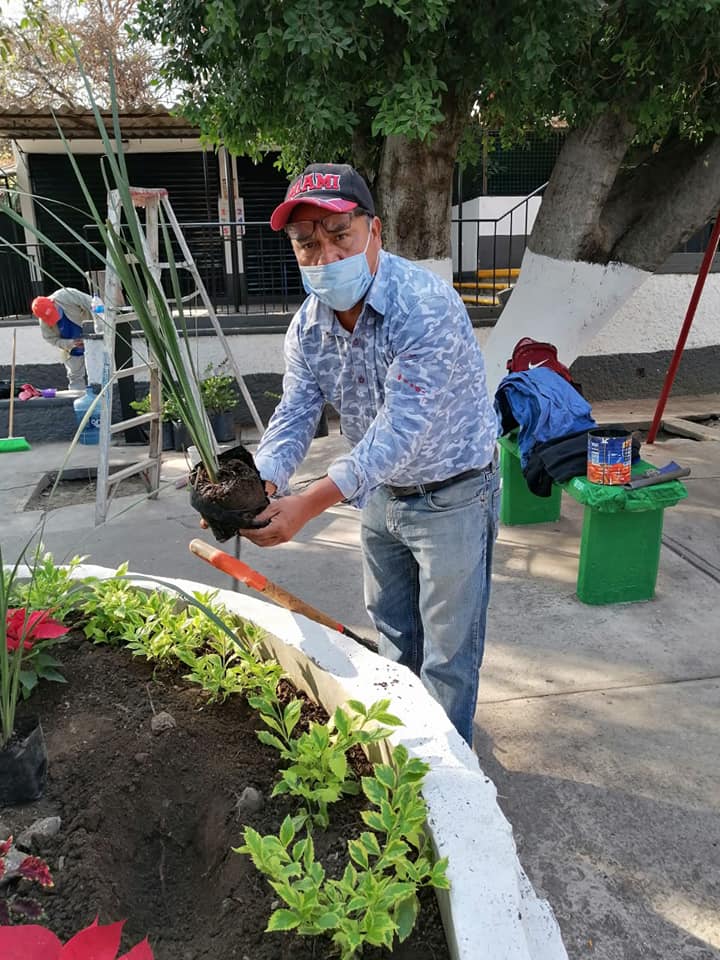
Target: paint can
(609,456)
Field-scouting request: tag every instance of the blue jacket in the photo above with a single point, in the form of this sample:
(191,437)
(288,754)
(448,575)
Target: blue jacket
(545,406)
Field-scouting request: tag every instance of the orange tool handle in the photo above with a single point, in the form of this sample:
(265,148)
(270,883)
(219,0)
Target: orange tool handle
(230,565)
(251,578)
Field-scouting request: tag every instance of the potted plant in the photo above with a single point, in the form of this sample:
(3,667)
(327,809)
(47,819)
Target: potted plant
(226,489)
(219,399)
(167,435)
(23,755)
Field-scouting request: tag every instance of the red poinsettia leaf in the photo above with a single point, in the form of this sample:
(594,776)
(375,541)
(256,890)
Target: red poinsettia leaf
(33,868)
(40,626)
(5,847)
(27,908)
(141,951)
(29,942)
(14,620)
(15,629)
(94,943)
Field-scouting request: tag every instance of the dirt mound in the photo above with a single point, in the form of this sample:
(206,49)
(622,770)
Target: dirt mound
(149,819)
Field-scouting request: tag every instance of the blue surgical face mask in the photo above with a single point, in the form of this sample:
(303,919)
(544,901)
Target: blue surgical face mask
(340,284)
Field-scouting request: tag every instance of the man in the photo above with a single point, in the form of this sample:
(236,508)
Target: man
(61,317)
(391,346)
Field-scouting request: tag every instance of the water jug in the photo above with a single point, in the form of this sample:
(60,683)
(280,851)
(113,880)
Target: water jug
(91,430)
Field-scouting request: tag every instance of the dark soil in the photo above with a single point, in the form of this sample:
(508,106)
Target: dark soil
(236,497)
(148,821)
(238,485)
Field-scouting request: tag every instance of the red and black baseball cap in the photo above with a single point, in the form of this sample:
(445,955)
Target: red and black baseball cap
(333,187)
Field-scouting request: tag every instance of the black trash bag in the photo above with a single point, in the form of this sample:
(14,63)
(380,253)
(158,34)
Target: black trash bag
(23,763)
(246,496)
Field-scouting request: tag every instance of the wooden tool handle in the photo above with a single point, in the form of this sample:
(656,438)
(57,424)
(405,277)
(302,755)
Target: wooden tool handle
(241,571)
(11,411)
(230,565)
(291,602)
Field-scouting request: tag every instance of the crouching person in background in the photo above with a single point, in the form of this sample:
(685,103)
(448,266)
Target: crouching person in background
(61,317)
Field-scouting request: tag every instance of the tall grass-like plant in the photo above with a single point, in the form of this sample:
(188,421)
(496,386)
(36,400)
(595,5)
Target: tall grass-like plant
(127,255)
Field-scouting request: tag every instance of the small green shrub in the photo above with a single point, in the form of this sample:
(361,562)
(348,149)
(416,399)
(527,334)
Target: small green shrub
(375,900)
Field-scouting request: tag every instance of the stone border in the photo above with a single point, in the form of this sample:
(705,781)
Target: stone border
(491,910)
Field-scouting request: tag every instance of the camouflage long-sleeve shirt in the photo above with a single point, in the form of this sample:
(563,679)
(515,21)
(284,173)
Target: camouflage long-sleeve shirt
(408,382)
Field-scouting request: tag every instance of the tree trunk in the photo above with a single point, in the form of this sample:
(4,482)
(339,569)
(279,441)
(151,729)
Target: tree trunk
(687,197)
(601,232)
(414,192)
(568,225)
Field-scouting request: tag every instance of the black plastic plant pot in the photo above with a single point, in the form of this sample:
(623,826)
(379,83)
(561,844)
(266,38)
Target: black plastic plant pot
(233,502)
(23,763)
(223,425)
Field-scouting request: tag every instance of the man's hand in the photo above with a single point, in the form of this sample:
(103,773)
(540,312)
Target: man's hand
(270,489)
(287,516)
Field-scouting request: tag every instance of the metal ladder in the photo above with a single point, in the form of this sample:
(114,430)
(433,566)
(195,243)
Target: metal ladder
(149,466)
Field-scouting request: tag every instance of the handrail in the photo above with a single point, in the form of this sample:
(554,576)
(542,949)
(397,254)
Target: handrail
(520,203)
(485,292)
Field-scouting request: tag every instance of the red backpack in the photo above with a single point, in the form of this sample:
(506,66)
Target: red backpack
(528,354)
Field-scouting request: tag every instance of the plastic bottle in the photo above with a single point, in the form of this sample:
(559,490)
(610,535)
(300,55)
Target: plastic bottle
(98,309)
(91,431)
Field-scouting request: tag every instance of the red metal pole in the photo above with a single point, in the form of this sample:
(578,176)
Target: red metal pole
(689,317)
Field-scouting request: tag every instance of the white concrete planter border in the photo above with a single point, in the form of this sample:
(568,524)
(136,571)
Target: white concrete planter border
(491,911)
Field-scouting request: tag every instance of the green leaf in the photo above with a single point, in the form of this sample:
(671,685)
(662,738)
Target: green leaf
(271,740)
(283,920)
(405,916)
(386,775)
(328,921)
(358,707)
(438,876)
(287,832)
(373,790)
(338,765)
(370,842)
(373,819)
(341,721)
(358,853)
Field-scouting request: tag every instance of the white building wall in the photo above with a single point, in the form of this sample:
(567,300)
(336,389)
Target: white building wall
(488,210)
(649,321)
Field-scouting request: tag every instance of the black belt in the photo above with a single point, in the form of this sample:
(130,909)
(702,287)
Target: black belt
(421,488)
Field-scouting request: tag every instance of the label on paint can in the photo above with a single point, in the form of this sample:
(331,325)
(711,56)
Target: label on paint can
(609,456)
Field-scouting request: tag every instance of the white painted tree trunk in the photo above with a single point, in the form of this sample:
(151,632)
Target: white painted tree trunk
(564,302)
(603,228)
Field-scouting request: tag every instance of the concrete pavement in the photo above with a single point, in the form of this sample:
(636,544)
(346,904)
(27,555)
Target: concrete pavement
(599,725)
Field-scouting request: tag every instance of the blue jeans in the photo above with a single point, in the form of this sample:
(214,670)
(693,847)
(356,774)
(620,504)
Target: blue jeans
(427,563)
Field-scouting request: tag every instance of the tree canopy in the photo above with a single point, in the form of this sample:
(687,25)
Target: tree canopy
(38,66)
(401,87)
(309,76)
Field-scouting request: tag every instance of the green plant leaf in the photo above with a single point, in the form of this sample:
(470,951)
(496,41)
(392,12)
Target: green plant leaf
(287,832)
(386,775)
(283,920)
(406,915)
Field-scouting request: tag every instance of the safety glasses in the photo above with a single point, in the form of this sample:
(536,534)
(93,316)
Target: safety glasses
(332,225)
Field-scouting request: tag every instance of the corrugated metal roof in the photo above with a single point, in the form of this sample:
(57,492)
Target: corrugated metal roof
(144,121)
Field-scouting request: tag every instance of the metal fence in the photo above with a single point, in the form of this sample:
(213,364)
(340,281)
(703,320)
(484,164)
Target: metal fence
(488,251)
(247,269)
